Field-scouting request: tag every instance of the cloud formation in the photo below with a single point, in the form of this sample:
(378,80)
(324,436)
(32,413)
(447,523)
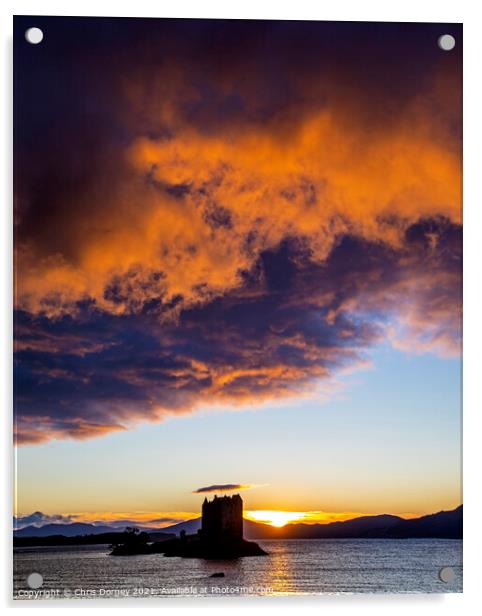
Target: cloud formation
(222,487)
(231,218)
(37,518)
(112,519)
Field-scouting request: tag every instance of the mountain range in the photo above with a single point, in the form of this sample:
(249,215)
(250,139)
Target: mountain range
(443,525)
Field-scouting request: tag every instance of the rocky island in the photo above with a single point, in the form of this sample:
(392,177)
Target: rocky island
(220,535)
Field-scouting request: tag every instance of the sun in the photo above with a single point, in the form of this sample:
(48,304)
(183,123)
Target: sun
(273,517)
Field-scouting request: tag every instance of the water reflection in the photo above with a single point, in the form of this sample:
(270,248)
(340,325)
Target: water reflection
(292,567)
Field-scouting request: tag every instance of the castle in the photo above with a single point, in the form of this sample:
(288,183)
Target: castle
(222,519)
(220,535)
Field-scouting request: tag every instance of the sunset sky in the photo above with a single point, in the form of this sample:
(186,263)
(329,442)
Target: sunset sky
(238,261)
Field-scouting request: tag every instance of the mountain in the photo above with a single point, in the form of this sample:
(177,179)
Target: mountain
(442,525)
(358,527)
(256,530)
(190,526)
(66,530)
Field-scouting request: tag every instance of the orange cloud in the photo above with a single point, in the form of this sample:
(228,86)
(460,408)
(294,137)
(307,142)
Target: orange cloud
(249,186)
(230,218)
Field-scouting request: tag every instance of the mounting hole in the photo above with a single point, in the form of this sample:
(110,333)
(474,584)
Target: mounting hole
(447,575)
(35,580)
(446,42)
(34,35)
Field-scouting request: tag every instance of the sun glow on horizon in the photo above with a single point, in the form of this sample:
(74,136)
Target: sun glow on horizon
(273,517)
(279,518)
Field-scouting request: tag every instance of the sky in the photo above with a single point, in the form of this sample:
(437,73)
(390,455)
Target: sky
(237,263)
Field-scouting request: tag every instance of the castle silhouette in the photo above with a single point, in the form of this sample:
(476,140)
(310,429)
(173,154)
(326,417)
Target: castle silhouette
(220,535)
(222,519)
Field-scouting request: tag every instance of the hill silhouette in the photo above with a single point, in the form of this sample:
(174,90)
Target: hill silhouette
(358,527)
(442,525)
(111,538)
(66,530)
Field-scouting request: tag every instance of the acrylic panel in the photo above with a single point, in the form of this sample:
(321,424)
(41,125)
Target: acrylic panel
(237,307)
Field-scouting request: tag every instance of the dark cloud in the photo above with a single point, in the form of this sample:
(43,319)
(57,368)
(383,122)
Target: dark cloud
(222,487)
(165,520)
(213,212)
(291,324)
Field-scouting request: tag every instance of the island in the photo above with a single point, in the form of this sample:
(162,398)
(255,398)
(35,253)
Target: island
(220,535)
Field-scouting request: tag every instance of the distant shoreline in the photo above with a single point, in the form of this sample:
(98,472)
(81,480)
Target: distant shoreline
(441,525)
(19,548)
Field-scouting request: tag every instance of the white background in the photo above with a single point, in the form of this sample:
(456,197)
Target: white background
(352,10)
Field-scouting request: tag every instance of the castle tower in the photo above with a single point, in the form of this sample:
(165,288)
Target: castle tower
(222,519)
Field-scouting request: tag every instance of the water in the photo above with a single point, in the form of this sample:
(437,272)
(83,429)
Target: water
(292,567)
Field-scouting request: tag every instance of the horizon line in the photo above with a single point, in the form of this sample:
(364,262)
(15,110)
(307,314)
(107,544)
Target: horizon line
(162,520)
